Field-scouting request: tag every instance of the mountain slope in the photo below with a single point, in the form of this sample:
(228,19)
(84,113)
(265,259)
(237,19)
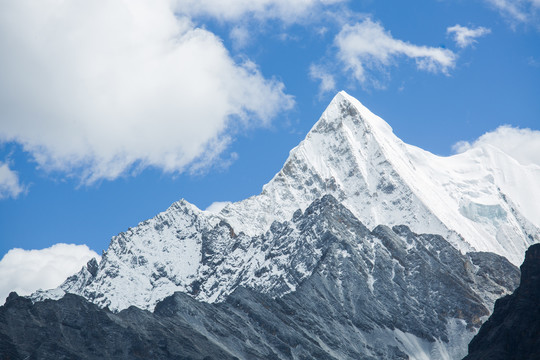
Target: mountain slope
(359,294)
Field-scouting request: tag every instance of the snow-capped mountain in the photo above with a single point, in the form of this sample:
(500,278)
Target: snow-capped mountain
(396,243)
(480,200)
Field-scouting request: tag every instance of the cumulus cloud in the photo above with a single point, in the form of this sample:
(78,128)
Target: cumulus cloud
(285,10)
(520,11)
(97,88)
(216,206)
(522,144)
(368,46)
(26,271)
(9,182)
(318,73)
(464,36)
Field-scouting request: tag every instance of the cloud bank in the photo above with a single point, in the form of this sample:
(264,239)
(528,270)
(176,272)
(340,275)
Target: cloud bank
(95,89)
(464,36)
(368,46)
(522,144)
(26,271)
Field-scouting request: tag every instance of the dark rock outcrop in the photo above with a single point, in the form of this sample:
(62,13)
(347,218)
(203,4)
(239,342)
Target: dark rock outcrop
(513,330)
(73,328)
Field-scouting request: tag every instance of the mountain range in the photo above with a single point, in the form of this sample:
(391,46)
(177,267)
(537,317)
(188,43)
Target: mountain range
(361,247)
(382,294)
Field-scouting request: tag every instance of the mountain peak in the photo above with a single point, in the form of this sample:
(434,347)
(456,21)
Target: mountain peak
(354,155)
(343,106)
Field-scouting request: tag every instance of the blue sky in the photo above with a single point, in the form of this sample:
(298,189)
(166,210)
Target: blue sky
(111,111)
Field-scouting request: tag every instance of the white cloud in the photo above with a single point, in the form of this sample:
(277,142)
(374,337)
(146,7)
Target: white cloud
(328,83)
(522,144)
(9,182)
(520,11)
(92,88)
(230,10)
(464,36)
(216,206)
(368,46)
(26,271)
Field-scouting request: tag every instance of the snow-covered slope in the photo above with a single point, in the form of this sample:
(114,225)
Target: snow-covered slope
(481,199)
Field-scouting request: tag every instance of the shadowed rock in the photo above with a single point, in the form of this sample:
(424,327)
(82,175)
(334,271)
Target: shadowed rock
(513,330)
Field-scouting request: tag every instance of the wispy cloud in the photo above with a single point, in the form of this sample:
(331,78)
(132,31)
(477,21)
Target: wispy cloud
(518,11)
(327,81)
(531,61)
(240,36)
(10,186)
(26,271)
(522,144)
(368,46)
(216,206)
(92,89)
(464,36)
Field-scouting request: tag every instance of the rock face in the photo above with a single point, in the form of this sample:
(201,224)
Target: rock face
(513,330)
(388,293)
